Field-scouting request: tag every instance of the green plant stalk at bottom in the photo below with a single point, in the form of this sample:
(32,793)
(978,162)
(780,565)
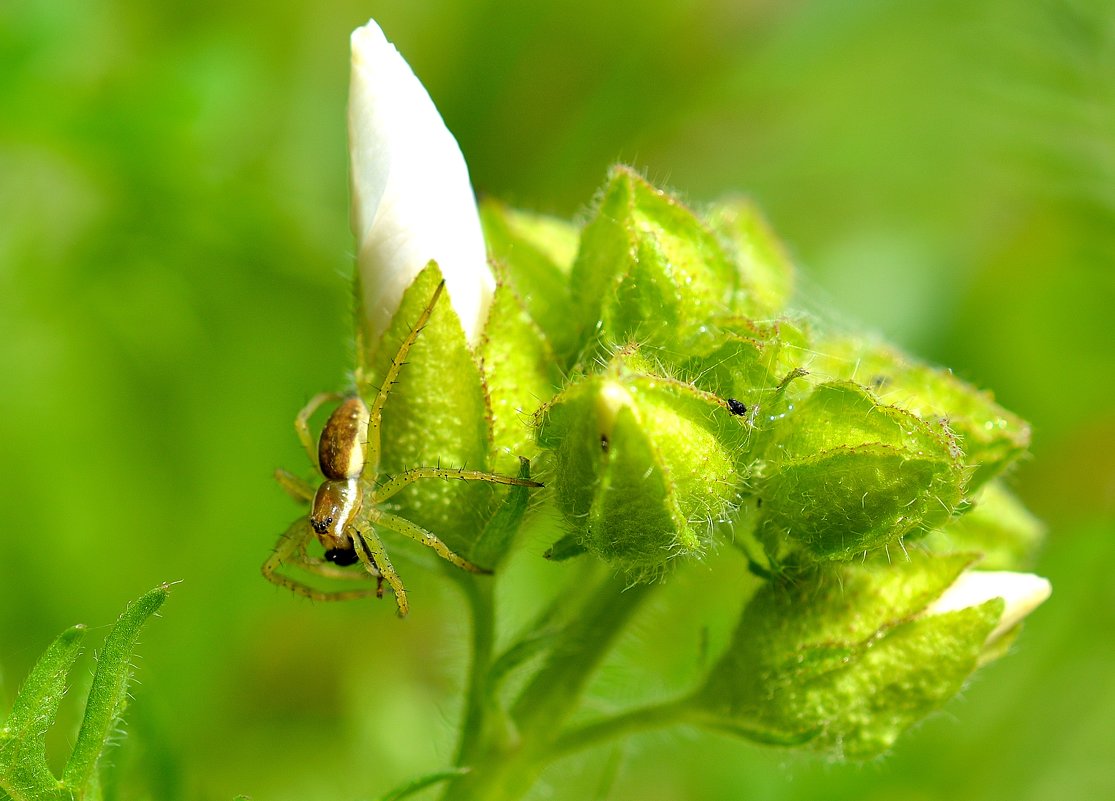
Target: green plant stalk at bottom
(508,758)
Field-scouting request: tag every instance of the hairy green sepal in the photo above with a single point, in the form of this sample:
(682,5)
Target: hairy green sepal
(990,437)
(842,474)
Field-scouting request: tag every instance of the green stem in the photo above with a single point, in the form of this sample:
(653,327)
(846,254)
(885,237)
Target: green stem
(474,722)
(553,693)
(655,716)
(506,770)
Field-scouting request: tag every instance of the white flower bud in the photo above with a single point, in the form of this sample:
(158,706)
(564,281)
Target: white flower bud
(1022,592)
(411,196)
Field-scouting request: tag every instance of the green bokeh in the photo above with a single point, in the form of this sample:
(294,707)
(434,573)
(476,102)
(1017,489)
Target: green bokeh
(173,246)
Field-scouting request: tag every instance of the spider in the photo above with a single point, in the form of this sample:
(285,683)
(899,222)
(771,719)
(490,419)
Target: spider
(348,505)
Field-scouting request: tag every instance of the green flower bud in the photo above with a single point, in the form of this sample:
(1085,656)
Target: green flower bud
(649,271)
(766,270)
(841,474)
(645,467)
(847,658)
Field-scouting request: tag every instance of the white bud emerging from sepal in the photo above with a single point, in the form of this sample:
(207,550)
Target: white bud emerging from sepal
(411,196)
(1021,592)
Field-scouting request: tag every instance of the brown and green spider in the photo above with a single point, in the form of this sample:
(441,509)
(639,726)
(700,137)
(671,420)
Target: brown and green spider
(348,506)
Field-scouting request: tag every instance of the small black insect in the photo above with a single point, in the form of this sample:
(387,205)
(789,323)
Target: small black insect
(736,407)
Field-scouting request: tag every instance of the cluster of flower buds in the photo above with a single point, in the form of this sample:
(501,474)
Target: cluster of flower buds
(651,360)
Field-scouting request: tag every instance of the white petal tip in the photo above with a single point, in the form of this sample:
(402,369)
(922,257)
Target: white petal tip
(1022,592)
(412,201)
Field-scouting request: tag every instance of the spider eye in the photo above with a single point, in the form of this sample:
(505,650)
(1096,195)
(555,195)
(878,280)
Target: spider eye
(342,556)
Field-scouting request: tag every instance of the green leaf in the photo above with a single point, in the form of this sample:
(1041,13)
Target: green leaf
(494,542)
(648,270)
(766,269)
(24,773)
(998,526)
(108,695)
(843,474)
(845,658)
(421,783)
(436,414)
(536,253)
(990,437)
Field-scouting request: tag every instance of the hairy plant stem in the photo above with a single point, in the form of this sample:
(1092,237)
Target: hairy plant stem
(504,761)
(645,718)
(476,719)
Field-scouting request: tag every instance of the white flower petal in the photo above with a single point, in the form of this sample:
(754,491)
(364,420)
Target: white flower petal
(1023,593)
(411,196)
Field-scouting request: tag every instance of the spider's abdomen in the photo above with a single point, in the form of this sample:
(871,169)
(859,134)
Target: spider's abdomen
(343,445)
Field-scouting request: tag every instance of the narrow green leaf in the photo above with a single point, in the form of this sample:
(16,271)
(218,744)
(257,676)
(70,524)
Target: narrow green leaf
(421,783)
(494,542)
(108,695)
(24,774)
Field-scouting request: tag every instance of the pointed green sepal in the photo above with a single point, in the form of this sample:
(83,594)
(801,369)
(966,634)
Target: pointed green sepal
(495,540)
(767,274)
(436,414)
(520,374)
(998,526)
(536,252)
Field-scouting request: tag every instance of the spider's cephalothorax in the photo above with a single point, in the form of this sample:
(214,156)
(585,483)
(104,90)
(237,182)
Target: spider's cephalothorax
(347,507)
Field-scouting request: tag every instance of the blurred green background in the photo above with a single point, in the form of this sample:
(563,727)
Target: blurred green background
(174,248)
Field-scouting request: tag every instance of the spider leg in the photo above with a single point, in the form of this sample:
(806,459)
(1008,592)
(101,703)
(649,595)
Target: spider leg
(290,548)
(419,534)
(376,410)
(375,559)
(397,482)
(320,567)
(297,488)
(302,422)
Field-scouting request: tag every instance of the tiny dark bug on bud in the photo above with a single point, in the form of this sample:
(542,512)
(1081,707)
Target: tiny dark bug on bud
(736,407)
